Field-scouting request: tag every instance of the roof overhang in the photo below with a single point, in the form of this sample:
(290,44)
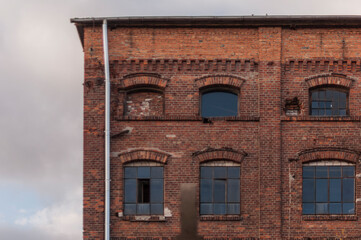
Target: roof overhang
(287,21)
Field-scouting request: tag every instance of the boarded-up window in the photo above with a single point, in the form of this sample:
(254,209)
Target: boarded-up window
(144,103)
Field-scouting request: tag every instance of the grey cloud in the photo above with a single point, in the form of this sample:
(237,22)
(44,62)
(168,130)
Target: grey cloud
(12,233)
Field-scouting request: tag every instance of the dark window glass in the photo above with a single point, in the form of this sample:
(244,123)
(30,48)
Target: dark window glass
(233,190)
(308,172)
(130,209)
(157,209)
(335,172)
(130,190)
(206,208)
(220,172)
(321,208)
(220,190)
(143,172)
(348,189)
(206,190)
(348,171)
(328,102)
(348,208)
(328,190)
(130,172)
(335,190)
(233,208)
(219,104)
(233,172)
(143,209)
(321,172)
(143,190)
(308,190)
(308,208)
(207,172)
(156,188)
(321,190)
(157,172)
(219,208)
(335,208)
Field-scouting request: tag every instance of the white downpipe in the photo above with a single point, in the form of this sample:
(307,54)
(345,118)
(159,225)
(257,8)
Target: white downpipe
(107,132)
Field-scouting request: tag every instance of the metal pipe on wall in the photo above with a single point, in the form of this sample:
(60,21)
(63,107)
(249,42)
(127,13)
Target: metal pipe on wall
(107,132)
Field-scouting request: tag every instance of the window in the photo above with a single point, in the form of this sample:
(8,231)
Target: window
(219,104)
(144,102)
(219,190)
(143,190)
(328,189)
(328,101)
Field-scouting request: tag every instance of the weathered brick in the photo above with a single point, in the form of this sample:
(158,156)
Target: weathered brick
(268,65)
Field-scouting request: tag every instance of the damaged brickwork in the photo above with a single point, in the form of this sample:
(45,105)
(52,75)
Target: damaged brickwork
(144,103)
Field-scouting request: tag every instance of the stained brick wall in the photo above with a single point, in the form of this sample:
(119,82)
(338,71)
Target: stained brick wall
(268,65)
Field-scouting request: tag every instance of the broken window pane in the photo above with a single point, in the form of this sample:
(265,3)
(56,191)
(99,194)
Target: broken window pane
(143,191)
(143,185)
(328,101)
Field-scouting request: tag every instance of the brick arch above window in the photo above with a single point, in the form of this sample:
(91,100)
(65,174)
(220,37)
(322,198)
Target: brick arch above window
(227,80)
(143,80)
(334,79)
(319,154)
(211,154)
(141,155)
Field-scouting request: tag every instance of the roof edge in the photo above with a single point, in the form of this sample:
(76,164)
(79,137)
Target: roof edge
(273,20)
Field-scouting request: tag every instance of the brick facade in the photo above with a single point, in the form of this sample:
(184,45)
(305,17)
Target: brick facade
(157,77)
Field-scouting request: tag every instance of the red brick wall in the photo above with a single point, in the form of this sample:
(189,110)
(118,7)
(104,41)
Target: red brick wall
(274,64)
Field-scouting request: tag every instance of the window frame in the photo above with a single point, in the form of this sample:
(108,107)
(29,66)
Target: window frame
(137,188)
(332,88)
(219,88)
(226,189)
(328,178)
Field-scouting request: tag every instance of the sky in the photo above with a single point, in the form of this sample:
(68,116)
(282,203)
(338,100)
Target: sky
(41,76)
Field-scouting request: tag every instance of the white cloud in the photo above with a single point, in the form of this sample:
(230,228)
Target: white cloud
(60,219)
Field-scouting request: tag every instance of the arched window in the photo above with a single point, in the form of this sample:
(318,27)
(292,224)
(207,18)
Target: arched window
(219,95)
(328,187)
(220,188)
(143,95)
(328,101)
(143,183)
(219,103)
(143,188)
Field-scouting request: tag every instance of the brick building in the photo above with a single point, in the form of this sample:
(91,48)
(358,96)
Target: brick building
(224,127)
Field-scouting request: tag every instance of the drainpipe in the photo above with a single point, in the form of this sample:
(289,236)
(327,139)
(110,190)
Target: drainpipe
(107,133)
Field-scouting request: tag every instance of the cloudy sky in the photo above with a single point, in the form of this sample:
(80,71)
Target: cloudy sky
(41,72)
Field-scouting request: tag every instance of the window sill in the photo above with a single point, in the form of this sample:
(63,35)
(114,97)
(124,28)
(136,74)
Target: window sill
(321,119)
(188,118)
(221,218)
(144,218)
(329,218)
